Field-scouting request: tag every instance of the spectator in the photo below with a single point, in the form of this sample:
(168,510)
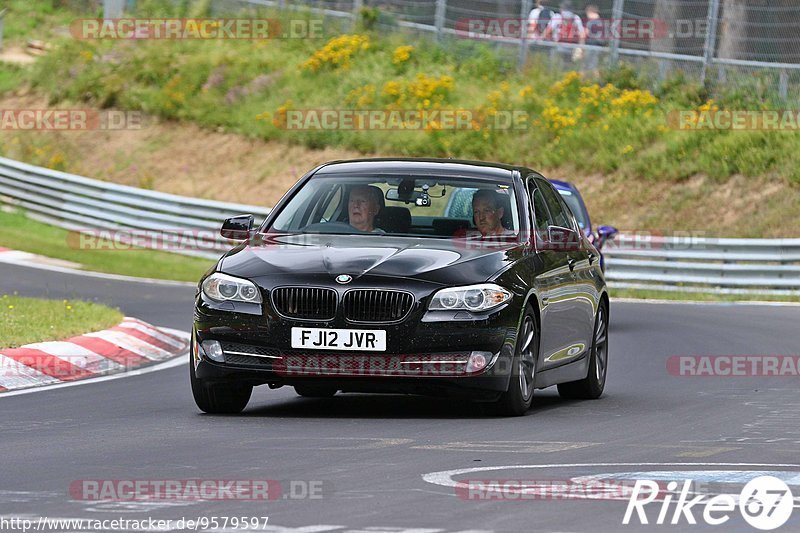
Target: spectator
(594,26)
(594,36)
(566,26)
(538,20)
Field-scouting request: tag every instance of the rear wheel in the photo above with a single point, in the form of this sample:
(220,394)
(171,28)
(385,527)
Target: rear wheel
(315,391)
(518,398)
(218,398)
(591,387)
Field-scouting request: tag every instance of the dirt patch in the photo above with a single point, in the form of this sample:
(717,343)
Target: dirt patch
(16,55)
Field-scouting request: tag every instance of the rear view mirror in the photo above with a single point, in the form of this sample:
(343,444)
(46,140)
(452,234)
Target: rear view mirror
(237,228)
(605,233)
(420,199)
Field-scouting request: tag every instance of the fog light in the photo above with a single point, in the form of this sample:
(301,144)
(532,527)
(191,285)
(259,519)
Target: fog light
(478,361)
(213,350)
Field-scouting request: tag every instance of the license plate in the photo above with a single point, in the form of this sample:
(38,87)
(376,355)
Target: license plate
(362,340)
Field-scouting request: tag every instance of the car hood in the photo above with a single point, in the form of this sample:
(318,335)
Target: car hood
(444,261)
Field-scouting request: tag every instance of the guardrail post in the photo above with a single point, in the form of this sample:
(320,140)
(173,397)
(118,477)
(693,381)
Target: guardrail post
(2,16)
(523,38)
(616,25)
(439,16)
(783,84)
(357,6)
(711,38)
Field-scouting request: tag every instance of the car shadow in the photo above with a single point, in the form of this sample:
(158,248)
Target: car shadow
(357,405)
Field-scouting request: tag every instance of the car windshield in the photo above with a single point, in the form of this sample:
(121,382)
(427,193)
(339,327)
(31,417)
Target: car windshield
(430,207)
(575,206)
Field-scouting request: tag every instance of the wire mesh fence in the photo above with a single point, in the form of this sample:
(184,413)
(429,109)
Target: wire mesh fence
(719,42)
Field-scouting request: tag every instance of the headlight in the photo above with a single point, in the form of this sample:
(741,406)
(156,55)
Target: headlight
(471,298)
(227,288)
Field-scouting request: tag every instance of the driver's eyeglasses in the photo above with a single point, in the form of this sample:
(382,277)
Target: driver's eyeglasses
(488,211)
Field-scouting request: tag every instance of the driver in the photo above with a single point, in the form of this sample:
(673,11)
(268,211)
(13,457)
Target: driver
(363,206)
(488,211)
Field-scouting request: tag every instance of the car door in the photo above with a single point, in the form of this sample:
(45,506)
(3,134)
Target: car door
(583,260)
(567,306)
(552,284)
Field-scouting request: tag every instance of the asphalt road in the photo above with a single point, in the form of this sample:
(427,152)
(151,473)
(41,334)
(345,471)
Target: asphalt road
(371,461)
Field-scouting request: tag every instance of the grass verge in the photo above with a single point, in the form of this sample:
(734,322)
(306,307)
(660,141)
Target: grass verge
(27,320)
(649,294)
(18,232)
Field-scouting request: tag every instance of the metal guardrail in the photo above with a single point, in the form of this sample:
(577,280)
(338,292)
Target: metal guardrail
(129,214)
(704,264)
(696,264)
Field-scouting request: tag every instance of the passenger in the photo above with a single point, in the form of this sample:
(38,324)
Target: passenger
(363,206)
(488,211)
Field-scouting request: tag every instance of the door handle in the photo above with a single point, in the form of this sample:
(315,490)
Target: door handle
(571,262)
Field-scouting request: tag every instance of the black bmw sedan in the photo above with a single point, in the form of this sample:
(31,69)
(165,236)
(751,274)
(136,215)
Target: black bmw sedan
(371,276)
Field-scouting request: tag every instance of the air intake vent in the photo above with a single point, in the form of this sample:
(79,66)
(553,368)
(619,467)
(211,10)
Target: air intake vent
(370,305)
(305,303)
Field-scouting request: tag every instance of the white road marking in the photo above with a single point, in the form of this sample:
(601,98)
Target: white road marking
(445,477)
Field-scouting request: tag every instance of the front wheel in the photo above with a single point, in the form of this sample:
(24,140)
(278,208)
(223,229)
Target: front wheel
(591,387)
(218,398)
(518,398)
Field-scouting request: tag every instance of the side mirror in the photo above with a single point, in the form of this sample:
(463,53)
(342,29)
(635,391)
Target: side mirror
(562,239)
(237,228)
(605,233)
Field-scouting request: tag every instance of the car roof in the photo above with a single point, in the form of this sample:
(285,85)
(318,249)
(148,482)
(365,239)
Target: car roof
(563,185)
(422,166)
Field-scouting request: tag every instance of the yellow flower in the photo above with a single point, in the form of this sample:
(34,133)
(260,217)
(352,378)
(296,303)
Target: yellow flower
(337,53)
(570,78)
(423,92)
(402,54)
(628,149)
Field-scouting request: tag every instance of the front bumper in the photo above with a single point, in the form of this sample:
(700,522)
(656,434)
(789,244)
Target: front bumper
(426,353)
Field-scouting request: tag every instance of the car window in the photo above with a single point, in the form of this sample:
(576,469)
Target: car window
(575,206)
(333,204)
(573,223)
(554,205)
(422,206)
(541,217)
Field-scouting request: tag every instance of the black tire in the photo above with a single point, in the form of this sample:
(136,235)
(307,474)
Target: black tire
(518,398)
(591,387)
(218,398)
(315,391)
